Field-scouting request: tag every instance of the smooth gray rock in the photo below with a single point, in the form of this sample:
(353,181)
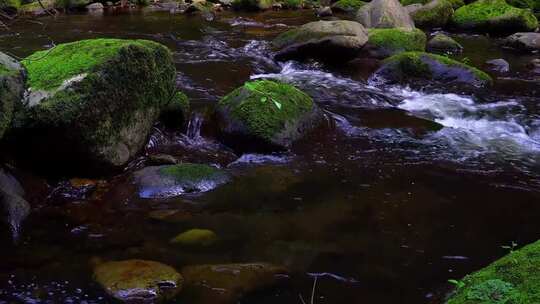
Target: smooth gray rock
(384,14)
(524,41)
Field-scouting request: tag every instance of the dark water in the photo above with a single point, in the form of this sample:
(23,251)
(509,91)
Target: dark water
(381,205)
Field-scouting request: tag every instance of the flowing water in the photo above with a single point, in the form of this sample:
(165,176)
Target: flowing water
(403,190)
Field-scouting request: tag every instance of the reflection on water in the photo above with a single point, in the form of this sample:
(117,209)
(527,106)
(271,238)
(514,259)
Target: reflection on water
(403,191)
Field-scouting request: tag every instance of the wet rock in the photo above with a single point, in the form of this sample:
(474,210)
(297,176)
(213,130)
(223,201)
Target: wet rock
(384,14)
(139,281)
(12,78)
(195,237)
(494,16)
(252,5)
(325,11)
(412,66)
(95,6)
(15,207)
(326,40)
(441,43)
(436,13)
(499,65)
(534,65)
(228,283)
(174,180)
(10,6)
(513,278)
(199,6)
(161,159)
(266,115)
(387,42)
(35,9)
(529,42)
(348,6)
(98,97)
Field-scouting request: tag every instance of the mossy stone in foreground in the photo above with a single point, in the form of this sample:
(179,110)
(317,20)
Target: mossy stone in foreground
(411,66)
(266,112)
(99,97)
(139,281)
(513,279)
(387,42)
(494,16)
(12,77)
(201,237)
(173,180)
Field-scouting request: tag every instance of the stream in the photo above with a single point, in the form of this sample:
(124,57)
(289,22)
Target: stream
(402,190)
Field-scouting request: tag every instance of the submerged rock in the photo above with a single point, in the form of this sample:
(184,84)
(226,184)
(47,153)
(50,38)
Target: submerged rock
(534,66)
(441,43)
(411,66)
(198,237)
(15,207)
(499,65)
(494,16)
(384,14)
(139,281)
(436,13)
(174,180)
(98,97)
(512,279)
(266,114)
(387,42)
(336,41)
(228,283)
(12,78)
(161,159)
(528,42)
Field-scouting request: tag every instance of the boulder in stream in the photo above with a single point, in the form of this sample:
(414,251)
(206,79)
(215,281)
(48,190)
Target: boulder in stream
(384,14)
(443,44)
(228,283)
(412,66)
(528,42)
(12,78)
(387,42)
(513,278)
(266,115)
(495,16)
(174,180)
(138,281)
(334,41)
(91,104)
(15,207)
(435,13)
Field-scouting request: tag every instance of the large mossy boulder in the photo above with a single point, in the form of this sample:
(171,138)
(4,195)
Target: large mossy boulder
(494,16)
(436,13)
(335,41)
(515,278)
(174,180)
(228,283)
(12,78)
(266,114)
(528,42)
(388,42)
(138,281)
(410,67)
(348,6)
(91,104)
(384,14)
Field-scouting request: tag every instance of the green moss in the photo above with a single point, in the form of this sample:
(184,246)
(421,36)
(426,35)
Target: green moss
(265,107)
(190,172)
(349,5)
(202,237)
(433,15)
(398,40)
(494,15)
(513,279)
(10,4)
(47,70)
(409,2)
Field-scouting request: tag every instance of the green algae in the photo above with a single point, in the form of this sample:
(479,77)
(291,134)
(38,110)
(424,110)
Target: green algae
(513,279)
(265,107)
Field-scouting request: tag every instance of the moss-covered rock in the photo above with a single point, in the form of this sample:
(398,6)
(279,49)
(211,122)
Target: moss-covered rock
(195,237)
(494,16)
(173,180)
(10,5)
(412,66)
(388,42)
(436,13)
(326,40)
(252,5)
(266,114)
(443,44)
(384,14)
(348,6)
(228,283)
(99,97)
(515,278)
(139,281)
(12,78)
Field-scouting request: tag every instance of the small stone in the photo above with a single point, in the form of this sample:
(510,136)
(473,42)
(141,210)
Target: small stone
(95,6)
(499,65)
(442,43)
(324,12)
(193,237)
(161,159)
